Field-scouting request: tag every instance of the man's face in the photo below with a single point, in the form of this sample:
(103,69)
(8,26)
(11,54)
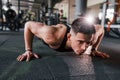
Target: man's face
(80,42)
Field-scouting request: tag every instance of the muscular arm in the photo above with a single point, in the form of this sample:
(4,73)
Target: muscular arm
(96,43)
(98,37)
(32,29)
(29,32)
(44,32)
(28,37)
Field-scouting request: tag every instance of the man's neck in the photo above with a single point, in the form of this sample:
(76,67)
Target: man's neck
(68,45)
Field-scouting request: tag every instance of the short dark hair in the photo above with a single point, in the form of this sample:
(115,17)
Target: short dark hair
(80,25)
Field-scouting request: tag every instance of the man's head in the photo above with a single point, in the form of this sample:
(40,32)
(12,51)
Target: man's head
(81,34)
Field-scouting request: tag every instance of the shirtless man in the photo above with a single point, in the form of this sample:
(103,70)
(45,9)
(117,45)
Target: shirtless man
(59,37)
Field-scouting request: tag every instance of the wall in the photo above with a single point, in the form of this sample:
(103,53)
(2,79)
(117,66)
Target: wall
(94,2)
(71,11)
(94,10)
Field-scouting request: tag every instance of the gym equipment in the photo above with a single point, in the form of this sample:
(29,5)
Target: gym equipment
(113,25)
(10,19)
(10,15)
(1,16)
(50,19)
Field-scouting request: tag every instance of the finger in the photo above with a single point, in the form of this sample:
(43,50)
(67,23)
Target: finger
(22,58)
(102,55)
(108,56)
(36,56)
(18,57)
(105,55)
(28,58)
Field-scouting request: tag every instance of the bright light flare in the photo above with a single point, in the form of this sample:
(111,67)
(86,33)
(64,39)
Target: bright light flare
(90,19)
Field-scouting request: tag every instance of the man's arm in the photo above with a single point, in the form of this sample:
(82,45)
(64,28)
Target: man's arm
(28,37)
(98,38)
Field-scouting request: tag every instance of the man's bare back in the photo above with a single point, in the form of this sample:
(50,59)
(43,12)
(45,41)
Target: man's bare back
(52,35)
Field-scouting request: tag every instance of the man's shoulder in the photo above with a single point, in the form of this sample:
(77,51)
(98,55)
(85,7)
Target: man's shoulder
(61,25)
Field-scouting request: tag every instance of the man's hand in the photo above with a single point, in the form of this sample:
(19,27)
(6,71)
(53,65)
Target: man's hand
(27,55)
(100,54)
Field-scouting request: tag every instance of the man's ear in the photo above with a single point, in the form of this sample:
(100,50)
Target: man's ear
(68,36)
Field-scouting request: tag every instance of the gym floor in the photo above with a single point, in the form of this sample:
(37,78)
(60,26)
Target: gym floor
(56,65)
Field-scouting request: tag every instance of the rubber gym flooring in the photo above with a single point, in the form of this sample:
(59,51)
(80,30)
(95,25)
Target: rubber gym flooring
(55,65)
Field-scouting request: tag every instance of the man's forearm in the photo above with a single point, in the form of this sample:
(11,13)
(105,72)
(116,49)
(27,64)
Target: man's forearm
(28,37)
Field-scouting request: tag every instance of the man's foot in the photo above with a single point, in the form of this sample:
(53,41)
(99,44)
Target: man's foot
(100,54)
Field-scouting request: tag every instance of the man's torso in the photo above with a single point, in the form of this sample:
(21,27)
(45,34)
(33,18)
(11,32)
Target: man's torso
(53,35)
